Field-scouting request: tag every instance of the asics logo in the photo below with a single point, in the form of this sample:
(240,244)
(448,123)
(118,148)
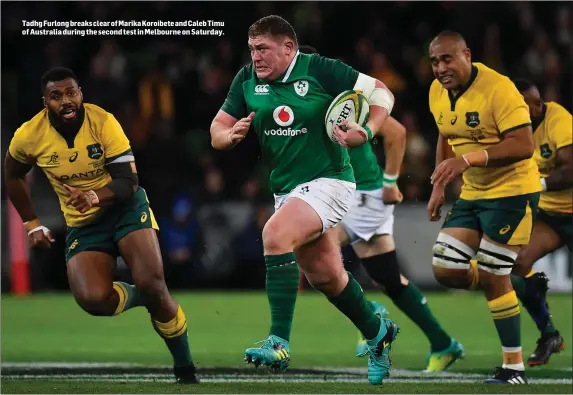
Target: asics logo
(262,90)
(504,230)
(74,157)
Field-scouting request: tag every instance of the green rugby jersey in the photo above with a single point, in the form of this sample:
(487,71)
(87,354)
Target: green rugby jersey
(367,171)
(289,119)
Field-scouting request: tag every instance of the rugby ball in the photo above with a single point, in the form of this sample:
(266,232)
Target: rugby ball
(350,105)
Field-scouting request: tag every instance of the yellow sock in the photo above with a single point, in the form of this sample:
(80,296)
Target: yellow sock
(531,273)
(175,327)
(475,275)
(122,292)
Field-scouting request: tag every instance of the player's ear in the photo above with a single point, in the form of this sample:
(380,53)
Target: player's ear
(468,54)
(289,45)
(44,101)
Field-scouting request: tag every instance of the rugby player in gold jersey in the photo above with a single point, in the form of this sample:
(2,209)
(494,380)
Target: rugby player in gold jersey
(485,136)
(552,134)
(87,158)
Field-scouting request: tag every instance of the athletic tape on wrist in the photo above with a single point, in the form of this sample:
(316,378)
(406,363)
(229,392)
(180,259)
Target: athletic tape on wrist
(42,228)
(368,132)
(389,180)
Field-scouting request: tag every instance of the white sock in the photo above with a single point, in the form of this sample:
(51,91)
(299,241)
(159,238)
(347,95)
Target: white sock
(514,366)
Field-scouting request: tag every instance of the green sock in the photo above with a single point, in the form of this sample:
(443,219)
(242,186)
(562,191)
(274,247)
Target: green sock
(282,288)
(414,305)
(352,303)
(129,297)
(537,307)
(174,333)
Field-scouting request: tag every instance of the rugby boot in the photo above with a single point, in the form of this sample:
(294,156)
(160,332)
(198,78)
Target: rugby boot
(507,376)
(379,362)
(439,361)
(274,354)
(380,311)
(185,374)
(547,345)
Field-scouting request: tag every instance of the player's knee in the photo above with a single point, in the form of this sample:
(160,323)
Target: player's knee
(152,284)
(494,259)
(276,239)
(522,265)
(450,254)
(97,302)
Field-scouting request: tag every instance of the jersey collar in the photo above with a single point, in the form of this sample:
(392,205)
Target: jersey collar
(454,99)
(535,122)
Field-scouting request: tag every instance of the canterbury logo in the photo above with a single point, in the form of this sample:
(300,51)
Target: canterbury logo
(504,230)
(143,217)
(261,90)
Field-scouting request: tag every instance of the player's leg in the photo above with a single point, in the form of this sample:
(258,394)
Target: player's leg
(137,241)
(322,265)
(288,227)
(90,274)
(380,261)
(368,226)
(456,245)
(507,225)
(531,289)
(91,261)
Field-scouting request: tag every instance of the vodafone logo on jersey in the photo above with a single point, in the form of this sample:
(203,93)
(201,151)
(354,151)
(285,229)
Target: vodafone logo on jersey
(283,116)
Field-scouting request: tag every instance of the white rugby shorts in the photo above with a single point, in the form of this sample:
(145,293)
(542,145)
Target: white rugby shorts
(330,198)
(368,217)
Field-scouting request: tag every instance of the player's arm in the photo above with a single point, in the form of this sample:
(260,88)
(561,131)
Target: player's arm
(120,164)
(381,102)
(394,134)
(230,125)
(335,76)
(562,175)
(511,116)
(18,192)
(17,188)
(227,131)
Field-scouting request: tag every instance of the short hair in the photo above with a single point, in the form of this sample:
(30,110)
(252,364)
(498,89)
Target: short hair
(57,74)
(523,85)
(273,25)
(451,34)
(307,49)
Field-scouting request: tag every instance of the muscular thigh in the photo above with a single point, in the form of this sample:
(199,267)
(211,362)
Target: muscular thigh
(90,274)
(140,251)
(543,241)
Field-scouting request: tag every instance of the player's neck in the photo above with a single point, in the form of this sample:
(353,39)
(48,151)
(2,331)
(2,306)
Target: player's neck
(67,129)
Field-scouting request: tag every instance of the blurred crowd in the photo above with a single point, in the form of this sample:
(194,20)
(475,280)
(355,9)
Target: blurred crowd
(166,90)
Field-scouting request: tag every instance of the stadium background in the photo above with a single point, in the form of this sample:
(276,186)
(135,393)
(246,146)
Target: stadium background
(165,91)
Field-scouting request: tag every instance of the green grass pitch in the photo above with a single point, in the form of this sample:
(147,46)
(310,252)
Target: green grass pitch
(42,330)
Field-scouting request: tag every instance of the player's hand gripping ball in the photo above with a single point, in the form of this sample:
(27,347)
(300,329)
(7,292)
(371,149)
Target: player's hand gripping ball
(345,118)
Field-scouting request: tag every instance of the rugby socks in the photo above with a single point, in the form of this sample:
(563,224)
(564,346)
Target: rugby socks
(537,307)
(505,312)
(352,303)
(129,297)
(413,303)
(174,333)
(385,270)
(282,279)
